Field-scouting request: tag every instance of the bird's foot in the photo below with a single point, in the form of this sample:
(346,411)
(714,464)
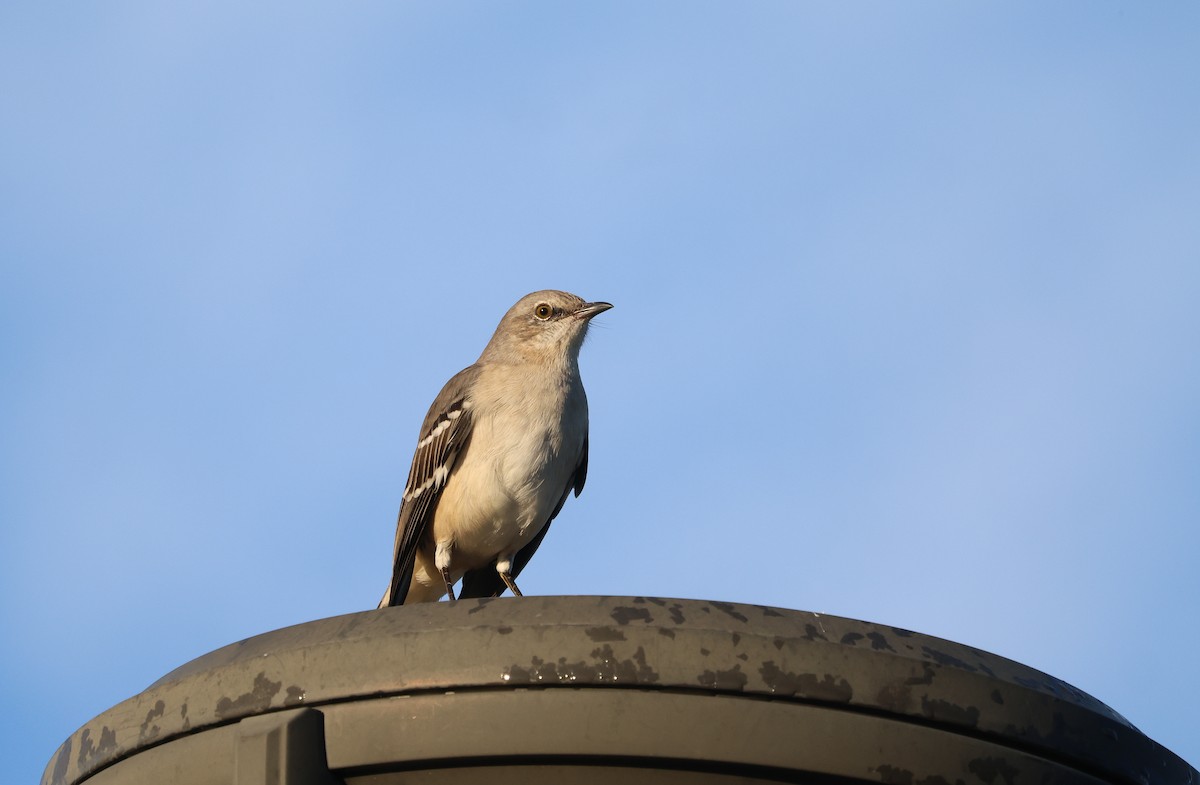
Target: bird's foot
(511,584)
(449,585)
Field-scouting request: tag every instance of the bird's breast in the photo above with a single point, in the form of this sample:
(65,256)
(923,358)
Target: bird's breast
(522,454)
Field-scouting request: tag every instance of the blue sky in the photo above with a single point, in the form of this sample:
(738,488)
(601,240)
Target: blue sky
(906,317)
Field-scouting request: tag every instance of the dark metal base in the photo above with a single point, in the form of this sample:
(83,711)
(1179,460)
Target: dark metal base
(603,689)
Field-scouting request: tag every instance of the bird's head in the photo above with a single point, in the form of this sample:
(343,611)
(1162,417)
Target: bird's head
(547,324)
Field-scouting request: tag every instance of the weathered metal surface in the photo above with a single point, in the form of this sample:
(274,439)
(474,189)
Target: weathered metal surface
(708,732)
(504,650)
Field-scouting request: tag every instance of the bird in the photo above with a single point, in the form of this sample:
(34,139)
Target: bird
(503,445)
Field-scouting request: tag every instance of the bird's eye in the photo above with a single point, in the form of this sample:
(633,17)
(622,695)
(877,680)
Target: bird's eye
(543,311)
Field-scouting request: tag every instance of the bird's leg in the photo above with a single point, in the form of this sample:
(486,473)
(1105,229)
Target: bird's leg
(441,559)
(511,584)
(449,587)
(504,569)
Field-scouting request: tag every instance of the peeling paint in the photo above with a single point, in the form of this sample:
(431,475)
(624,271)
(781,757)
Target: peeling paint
(253,702)
(624,614)
(61,761)
(992,769)
(941,658)
(599,634)
(805,685)
(148,731)
(893,775)
(896,698)
(878,642)
(729,610)
(89,752)
(605,668)
(1032,684)
(675,609)
(936,709)
(925,678)
(732,679)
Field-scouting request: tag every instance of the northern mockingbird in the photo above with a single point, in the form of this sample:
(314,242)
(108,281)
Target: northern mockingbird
(503,445)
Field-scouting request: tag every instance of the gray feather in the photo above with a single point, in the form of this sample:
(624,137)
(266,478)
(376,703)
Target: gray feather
(452,413)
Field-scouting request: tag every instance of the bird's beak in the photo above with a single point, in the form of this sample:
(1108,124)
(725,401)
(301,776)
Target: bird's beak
(591,309)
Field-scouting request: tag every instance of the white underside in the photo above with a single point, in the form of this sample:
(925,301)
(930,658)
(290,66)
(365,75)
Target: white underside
(507,482)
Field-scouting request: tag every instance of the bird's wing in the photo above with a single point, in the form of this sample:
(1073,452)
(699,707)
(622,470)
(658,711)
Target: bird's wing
(578,479)
(444,435)
(486,582)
